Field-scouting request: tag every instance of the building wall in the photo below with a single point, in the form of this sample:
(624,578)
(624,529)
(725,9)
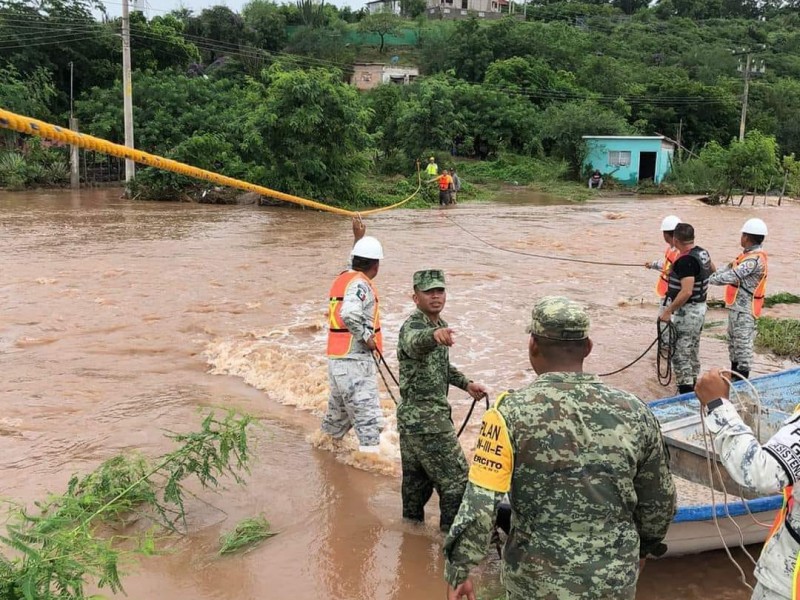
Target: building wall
(366,77)
(597,157)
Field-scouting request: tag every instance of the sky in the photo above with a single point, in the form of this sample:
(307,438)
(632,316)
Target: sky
(157,7)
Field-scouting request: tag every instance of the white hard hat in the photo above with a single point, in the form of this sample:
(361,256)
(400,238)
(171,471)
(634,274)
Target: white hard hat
(755,226)
(368,247)
(670,223)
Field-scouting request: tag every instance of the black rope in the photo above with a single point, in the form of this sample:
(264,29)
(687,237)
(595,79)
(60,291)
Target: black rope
(544,256)
(397,383)
(469,413)
(666,350)
(385,383)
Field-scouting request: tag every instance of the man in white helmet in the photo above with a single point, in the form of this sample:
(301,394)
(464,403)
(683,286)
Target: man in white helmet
(671,254)
(746,282)
(354,333)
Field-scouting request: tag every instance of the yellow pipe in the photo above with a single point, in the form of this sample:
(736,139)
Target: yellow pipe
(31,126)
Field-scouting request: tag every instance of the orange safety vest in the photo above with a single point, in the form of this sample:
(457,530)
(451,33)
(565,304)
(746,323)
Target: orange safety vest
(731,291)
(780,520)
(340,340)
(670,256)
(444,182)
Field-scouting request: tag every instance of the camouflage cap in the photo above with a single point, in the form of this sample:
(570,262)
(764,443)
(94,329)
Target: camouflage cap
(559,318)
(428,279)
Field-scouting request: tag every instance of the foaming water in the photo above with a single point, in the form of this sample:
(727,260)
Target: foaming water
(124,320)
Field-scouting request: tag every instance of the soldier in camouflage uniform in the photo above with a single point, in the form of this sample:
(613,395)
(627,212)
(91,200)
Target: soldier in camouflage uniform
(586,471)
(685,305)
(746,280)
(431,455)
(767,469)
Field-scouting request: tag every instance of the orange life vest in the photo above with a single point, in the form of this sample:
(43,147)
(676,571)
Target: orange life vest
(444,182)
(670,256)
(340,340)
(781,521)
(731,291)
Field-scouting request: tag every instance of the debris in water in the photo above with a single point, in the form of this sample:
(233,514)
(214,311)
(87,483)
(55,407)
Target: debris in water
(247,533)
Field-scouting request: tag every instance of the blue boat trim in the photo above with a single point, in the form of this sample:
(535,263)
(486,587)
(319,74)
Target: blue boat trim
(704,512)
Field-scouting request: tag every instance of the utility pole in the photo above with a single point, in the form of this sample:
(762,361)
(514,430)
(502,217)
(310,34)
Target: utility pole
(750,68)
(74,156)
(127,89)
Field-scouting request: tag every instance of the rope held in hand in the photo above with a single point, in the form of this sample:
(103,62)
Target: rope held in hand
(666,350)
(397,383)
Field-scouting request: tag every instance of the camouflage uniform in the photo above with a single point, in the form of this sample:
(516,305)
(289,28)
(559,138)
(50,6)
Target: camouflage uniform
(764,470)
(688,321)
(741,321)
(431,454)
(588,481)
(353,400)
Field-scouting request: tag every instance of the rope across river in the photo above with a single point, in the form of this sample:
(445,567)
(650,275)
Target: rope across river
(27,125)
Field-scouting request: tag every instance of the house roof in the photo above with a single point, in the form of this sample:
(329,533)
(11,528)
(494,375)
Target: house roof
(623,137)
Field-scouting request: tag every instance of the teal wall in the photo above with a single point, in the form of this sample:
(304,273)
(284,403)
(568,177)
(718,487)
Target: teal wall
(597,150)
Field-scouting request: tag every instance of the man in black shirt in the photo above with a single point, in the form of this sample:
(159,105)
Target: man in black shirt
(685,305)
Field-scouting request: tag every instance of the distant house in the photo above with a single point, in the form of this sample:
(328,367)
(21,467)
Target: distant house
(379,6)
(629,158)
(463,9)
(369,75)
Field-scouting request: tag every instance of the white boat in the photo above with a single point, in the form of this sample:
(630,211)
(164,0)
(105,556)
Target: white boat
(745,517)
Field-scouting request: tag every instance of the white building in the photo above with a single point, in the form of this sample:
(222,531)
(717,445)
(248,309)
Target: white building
(379,6)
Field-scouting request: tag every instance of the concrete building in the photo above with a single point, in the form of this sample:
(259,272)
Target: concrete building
(629,158)
(463,9)
(369,75)
(379,6)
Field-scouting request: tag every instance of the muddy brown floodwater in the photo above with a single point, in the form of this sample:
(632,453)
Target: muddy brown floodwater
(122,319)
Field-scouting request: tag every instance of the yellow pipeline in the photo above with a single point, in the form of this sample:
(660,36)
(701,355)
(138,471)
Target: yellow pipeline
(31,126)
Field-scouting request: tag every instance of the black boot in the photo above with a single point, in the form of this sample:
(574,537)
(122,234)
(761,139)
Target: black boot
(685,388)
(735,369)
(745,373)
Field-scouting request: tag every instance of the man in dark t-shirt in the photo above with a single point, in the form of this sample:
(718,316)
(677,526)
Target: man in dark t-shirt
(685,305)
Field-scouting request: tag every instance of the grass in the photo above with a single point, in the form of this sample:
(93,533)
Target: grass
(246,533)
(54,549)
(781,298)
(780,336)
(712,324)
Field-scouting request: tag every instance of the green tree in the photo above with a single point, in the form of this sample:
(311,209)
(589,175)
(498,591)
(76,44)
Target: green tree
(564,125)
(307,131)
(411,9)
(223,30)
(159,44)
(381,24)
(267,23)
(532,78)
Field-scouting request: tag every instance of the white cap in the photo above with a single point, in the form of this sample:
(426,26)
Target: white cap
(755,226)
(670,223)
(368,247)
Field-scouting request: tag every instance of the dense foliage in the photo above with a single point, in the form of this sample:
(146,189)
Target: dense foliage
(264,94)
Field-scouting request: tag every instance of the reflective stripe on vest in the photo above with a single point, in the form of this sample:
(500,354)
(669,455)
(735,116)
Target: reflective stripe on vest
(670,256)
(700,287)
(340,340)
(731,291)
(782,519)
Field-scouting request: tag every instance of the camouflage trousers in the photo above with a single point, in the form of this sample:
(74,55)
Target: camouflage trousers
(353,401)
(688,321)
(762,593)
(432,461)
(741,335)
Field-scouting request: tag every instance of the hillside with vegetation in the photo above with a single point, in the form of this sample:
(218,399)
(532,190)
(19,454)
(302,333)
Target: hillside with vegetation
(264,95)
